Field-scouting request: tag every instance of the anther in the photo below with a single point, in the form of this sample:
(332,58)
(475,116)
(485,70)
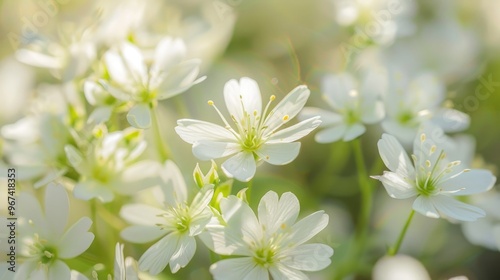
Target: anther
(422,137)
(210,102)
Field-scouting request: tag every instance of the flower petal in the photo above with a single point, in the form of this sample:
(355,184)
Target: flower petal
(193,131)
(100,115)
(91,189)
(455,209)
(279,153)
(308,257)
(424,206)
(277,213)
(141,214)
(240,218)
(404,133)
(156,258)
(168,53)
(56,209)
(241,166)
(295,132)
(76,240)
(451,120)
(336,89)
(230,269)
(184,253)
(327,117)
(283,272)
(139,116)
(331,134)
(174,189)
(139,176)
(180,78)
(243,95)
(207,150)
(142,234)
(394,156)
(287,109)
(30,209)
(396,186)
(354,131)
(308,227)
(470,182)
(59,270)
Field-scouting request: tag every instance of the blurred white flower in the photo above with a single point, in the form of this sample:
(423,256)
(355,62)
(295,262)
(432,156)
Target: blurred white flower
(382,20)
(432,177)
(18,78)
(109,165)
(255,137)
(125,268)
(409,103)
(353,106)
(485,232)
(35,144)
(399,267)
(272,243)
(45,239)
(66,59)
(132,78)
(176,224)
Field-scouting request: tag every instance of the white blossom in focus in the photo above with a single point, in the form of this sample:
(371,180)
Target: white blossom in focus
(134,79)
(432,177)
(255,136)
(353,106)
(271,243)
(45,238)
(175,223)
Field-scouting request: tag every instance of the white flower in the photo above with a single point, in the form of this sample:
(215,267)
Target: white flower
(485,232)
(133,79)
(353,106)
(35,144)
(272,243)
(399,267)
(66,59)
(125,268)
(410,103)
(432,177)
(109,166)
(255,137)
(45,241)
(175,224)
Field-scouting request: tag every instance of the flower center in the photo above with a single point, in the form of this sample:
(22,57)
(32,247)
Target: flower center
(46,254)
(264,256)
(250,127)
(176,218)
(429,174)
(405,117)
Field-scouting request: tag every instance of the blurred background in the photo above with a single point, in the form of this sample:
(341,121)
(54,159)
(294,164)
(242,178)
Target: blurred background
(282,44)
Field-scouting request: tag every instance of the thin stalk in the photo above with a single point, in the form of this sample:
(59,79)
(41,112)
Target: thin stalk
(394,249)
(366,197)
(161,145)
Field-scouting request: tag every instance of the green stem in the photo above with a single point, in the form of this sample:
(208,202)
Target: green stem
(394,249)
(160,144)
(366,197)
